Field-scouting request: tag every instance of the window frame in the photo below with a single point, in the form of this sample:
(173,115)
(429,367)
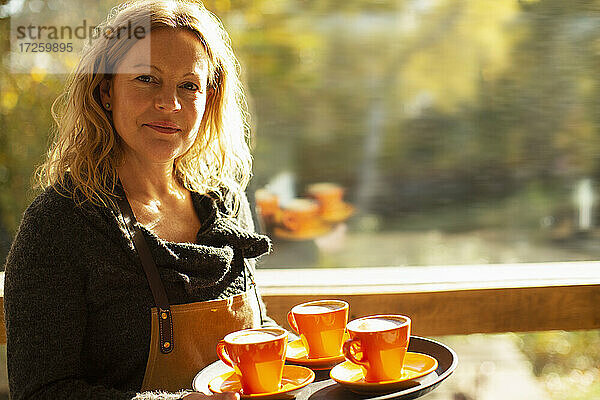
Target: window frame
(442,300)
(454,299)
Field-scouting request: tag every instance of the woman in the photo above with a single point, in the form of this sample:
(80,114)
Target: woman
(97,305)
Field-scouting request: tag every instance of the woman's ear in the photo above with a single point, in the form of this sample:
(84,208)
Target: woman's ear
(106,93)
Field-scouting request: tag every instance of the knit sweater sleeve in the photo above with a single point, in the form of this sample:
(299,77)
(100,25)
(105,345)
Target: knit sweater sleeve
(45,310)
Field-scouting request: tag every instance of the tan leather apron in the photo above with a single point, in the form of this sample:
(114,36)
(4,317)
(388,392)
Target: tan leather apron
(184,336)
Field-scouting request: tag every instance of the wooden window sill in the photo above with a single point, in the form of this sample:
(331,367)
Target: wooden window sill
(444,300)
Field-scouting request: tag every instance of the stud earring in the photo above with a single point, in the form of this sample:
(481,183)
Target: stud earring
(108,106)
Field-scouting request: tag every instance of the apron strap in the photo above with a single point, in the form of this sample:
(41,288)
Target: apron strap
(250,275)
(165,322)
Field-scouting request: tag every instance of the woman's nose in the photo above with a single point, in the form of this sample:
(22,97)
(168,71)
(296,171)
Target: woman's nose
(167,100)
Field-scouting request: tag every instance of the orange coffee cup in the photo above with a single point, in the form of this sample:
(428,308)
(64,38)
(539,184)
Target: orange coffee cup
(321,325)
(328,195)
(382,341)
(267,204)
(299,214)
(257,356)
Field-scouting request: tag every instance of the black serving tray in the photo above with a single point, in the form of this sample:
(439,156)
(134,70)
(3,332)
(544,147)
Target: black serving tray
(324,388)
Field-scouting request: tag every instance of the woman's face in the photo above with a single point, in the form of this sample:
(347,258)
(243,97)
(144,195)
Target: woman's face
(157,111)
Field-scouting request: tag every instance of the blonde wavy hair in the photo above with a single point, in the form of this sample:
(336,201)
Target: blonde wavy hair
(86,145)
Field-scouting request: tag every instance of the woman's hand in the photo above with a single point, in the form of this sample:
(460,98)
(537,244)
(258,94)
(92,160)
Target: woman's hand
(220,396)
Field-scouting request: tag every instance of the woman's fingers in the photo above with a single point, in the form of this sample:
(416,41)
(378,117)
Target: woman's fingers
(219,396)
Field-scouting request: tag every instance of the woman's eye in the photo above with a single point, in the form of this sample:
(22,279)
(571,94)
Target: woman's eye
(144,78)
(190,86)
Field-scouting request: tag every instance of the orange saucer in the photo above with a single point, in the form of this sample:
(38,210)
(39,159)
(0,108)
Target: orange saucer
(313,231)
(351,376)
(294,379)
(340,214)
(296,353)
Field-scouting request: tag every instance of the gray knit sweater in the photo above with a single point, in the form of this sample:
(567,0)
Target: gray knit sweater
(77,302)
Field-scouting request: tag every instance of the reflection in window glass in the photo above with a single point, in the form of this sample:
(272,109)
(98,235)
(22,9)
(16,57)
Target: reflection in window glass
(449,132)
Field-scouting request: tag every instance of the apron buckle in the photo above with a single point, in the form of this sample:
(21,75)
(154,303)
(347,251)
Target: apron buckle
(165,330)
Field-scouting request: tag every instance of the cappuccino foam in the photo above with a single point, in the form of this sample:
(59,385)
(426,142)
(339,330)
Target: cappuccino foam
(253,337)
(316,308)
(323,187)
(300,205)
(374,324)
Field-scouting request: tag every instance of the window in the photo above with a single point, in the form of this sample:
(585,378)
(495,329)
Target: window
(462,132)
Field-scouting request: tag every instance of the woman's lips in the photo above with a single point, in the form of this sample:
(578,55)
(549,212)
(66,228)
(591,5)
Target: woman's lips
(163,128)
